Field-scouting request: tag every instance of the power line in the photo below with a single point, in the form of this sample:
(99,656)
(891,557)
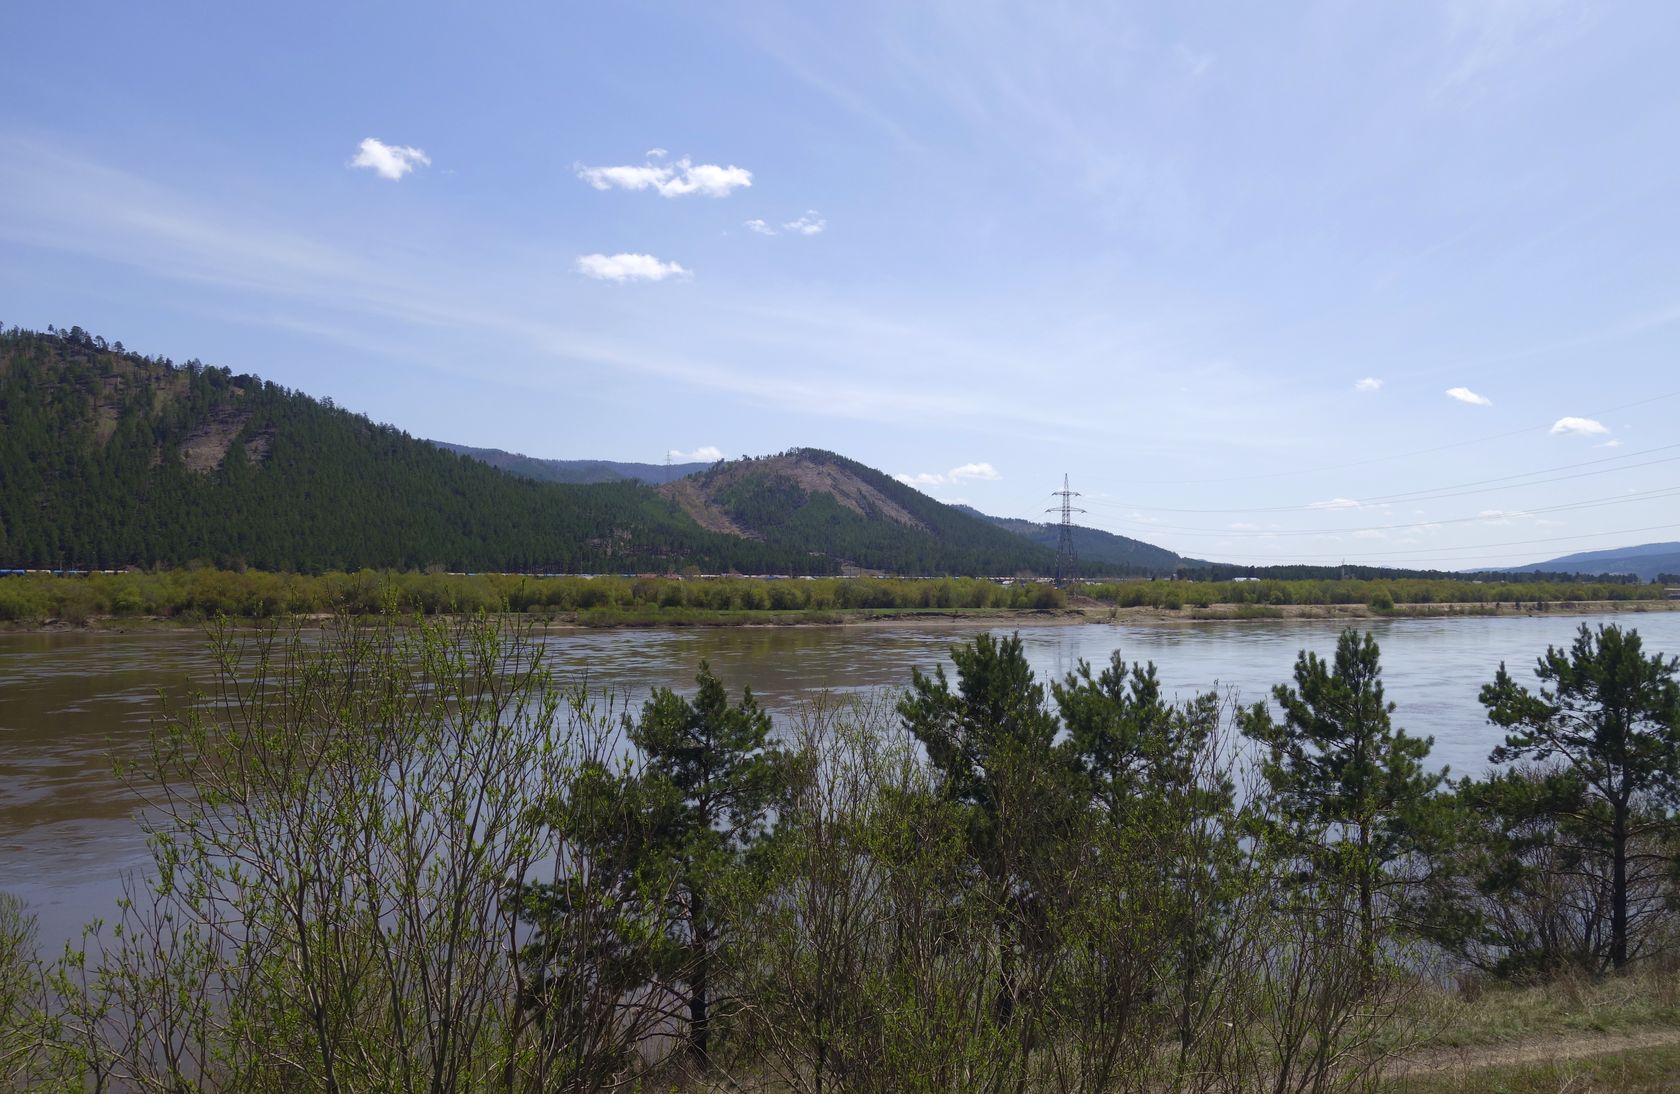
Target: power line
(1245,533)
(1407,551)
(1396,455)
(1455,490)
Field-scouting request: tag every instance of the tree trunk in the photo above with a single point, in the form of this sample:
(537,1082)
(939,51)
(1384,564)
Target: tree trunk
(1618,886)
(1367,911)
(699,985)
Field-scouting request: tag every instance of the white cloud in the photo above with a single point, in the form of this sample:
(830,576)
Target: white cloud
(1465,395)
(968,472)
(670,180)
(1581,427)
(1335,503)
(758,225)
(1612,443)
(1244,526)
(973,471)
(626,267)
(1501,516)
(706,453)
(812,223)
(657,153)
(1370,383)
(389,161)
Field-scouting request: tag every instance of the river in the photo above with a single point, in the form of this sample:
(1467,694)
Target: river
(72,702)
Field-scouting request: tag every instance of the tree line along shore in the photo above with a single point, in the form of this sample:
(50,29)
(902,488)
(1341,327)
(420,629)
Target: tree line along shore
(399,854)
(197,594)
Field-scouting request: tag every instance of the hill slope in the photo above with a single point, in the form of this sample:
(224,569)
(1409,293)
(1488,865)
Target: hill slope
(1094,547)
(809,499)
(110,459)
(1645,561)
(575,472)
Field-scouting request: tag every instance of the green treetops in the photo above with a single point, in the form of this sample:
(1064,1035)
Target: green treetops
(1611,715)
(1350,789)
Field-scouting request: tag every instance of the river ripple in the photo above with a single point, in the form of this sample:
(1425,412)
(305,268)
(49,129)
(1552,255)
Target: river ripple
(72,702)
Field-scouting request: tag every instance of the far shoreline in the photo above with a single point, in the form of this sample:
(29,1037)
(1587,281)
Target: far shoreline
(1084,612)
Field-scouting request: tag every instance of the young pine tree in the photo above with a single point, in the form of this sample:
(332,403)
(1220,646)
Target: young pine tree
(991,742)
(1612,715)
(1350,787)
(717,780)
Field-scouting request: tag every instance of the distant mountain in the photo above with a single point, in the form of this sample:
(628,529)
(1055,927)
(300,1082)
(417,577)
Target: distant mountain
(818,501)
(1645,561)
(575,472)
(1093,547)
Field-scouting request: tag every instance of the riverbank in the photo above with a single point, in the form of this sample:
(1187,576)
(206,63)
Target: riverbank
(1079,612)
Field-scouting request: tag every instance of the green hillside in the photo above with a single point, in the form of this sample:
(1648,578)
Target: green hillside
(109,459)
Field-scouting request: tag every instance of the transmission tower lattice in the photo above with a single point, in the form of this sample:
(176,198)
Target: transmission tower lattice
(1064,534)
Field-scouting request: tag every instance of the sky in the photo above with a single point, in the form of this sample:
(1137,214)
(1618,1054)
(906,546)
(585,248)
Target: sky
(1381,283)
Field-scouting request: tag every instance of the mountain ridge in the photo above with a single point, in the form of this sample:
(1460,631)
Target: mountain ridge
(573,472)
(1644,560)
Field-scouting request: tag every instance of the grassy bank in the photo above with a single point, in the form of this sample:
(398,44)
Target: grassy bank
(597,601)
(126,598)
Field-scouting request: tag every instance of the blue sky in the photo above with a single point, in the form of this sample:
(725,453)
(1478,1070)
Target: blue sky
(1221,264)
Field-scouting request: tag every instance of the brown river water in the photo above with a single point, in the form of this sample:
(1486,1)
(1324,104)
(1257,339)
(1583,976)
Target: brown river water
(71,703)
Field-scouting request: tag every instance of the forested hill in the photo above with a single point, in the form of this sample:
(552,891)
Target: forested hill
(1094,548)
(108,459)
(810,499)
(574,471)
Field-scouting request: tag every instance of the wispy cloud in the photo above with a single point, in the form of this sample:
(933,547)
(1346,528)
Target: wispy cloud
(1484,35)
(1580,427)
(1370,383)
(1195,64)
(671,180)
(812,223)
(968,472)
(628,267)
(388,161)
(1335,503)
(706,453)
(1465,395)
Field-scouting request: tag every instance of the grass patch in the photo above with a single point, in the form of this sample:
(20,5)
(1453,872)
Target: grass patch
(1637,1069)
(1572,1005)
